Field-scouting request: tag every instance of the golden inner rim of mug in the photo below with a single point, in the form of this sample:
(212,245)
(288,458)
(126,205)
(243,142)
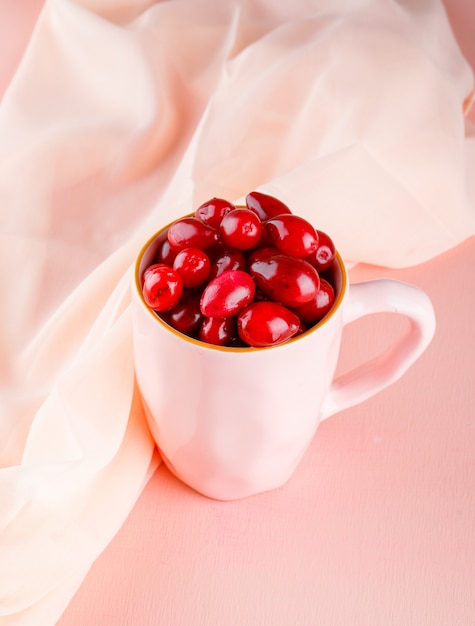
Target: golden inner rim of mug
(209,346)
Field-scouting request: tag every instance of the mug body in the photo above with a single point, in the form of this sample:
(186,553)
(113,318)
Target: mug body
(233,422)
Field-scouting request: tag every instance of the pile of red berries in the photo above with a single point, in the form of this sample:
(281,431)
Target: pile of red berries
(241,276)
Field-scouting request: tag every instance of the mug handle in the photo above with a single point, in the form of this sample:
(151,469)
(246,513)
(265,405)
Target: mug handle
(383,296)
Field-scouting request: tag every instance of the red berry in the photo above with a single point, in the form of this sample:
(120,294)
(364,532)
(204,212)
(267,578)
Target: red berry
(193,265)
(265,206)
(218,331)
(302,329)
(323,256)
(241,229)
(190,232)
(293,235)
(237,342)
(290,281)
(227,259)
(265,241)
(259,296)
(186,315)
(315,310)
(227,294)
(165,254)
(162,287)
(263,253)
(266,324)
(213,211)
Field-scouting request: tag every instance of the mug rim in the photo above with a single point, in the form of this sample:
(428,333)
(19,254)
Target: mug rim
(234,350)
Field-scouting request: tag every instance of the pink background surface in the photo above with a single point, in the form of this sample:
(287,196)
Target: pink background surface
(377,526)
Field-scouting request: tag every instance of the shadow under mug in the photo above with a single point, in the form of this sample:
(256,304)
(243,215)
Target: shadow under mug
(233,422)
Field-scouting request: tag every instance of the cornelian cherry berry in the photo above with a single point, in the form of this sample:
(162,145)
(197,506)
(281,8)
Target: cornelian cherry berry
(193,265)
(265,206)
(227,259)
(323,256)
(241,229)
(162,287)
(227,294)
(165,254)
(315,310)
(213,211)
(266,324)
(186,315)
(261,254)
(219,331)
(282,278)
(293,235)
(190,232)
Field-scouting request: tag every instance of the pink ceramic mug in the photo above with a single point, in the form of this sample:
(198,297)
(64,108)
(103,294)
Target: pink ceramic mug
(233,422)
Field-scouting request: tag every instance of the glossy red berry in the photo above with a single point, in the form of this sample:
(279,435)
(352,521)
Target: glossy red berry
(190,232)
(293,235)
(165,254)
(261,254)
(213,211)
(241,229)
(315,310)
(227,294)
(290,281)
(162,287)
(193,265)
(265,206)
(227,259)
(265,241)
(186,315)
(266,324)
(219,331)
(323,256)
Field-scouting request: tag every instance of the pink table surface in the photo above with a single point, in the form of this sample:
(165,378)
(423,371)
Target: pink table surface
(376,527)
